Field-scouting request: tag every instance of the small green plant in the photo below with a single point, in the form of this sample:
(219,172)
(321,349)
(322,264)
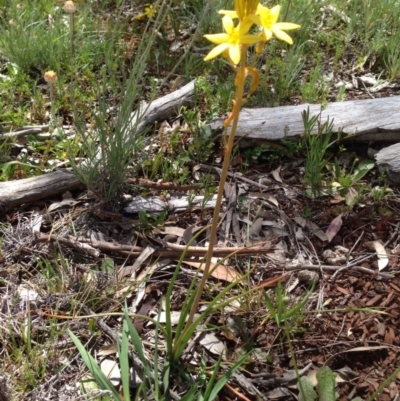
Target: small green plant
(315,90)
(108,149)
(260,154)
(345,182)
(279,308)
(168,168)
(379,193)
(201,141)
(316,145)
(149,221)
(159,380)
(326,383)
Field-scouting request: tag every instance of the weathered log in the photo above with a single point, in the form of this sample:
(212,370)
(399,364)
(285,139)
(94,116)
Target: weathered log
(15,193)
(388,159)
(162,108)
(371,119)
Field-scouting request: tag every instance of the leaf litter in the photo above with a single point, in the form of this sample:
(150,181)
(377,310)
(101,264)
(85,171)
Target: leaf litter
(333,333)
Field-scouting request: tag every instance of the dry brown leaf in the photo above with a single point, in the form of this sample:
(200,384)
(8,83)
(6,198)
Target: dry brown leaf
(276,174)
(272,281)
(220,272)
(301,221)
(131,270)
(334,227)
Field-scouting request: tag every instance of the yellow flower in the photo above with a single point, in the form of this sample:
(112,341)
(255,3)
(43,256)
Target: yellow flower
(150,11)
(231,40)
(267,19)
(50,77)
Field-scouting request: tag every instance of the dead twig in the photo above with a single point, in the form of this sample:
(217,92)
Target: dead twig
(169,251)
(341,268)
(162,186)
(235,175)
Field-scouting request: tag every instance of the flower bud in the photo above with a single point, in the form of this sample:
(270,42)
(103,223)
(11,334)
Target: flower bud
(69,7)
(50,77)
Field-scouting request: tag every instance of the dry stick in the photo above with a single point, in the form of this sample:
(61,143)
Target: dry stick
(337,269)
(173,251)
(144,182)
(225,167)
(235,175)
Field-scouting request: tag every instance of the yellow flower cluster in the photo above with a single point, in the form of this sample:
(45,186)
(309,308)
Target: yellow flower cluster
(149,12)
(249,13)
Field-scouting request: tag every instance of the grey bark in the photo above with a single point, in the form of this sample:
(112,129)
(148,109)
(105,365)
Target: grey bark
(16,193)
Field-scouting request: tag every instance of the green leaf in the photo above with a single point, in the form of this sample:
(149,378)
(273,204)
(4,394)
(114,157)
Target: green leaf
(94,368)
(136,340)
(306,388)
(362,169)
(326,384)
(225,377)
(107,265)
(191,395)
(124,361)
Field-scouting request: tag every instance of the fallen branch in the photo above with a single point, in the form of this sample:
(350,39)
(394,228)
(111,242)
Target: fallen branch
(365,120)
(163,186)
(169,251)
(15,193)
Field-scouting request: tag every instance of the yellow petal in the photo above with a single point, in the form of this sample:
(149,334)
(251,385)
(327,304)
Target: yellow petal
(229,13)
(267,34)
(217,38)
(249,39)
(282,35)
(245,26)
(275,13)
(234,53)
(228,24)
(216,51)
(286,26)
(255,19)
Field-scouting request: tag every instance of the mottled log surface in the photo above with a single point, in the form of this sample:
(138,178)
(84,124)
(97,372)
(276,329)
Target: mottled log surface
(15,193)
(389,159)
(371,119)
(163,108)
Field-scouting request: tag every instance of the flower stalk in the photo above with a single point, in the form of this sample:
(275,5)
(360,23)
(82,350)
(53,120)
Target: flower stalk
(240,77)
(233,45)
(70,8)
(51,77)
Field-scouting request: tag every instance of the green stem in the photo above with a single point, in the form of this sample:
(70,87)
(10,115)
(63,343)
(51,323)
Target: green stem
(53,108)
(71,33)
(214,227)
